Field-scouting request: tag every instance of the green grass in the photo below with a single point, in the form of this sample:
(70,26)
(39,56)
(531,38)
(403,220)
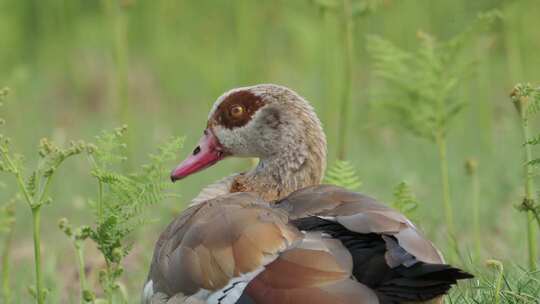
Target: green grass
(518,286)
(78,67)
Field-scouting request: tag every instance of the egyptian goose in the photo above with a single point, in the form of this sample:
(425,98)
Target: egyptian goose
(273,234)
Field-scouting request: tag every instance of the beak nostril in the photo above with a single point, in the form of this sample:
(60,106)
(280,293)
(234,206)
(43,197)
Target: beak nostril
(206,153)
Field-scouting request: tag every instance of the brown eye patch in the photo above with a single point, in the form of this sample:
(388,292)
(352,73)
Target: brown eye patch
(237,109)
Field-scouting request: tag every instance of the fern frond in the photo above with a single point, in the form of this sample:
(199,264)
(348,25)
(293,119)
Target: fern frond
(167,152)
(390,62)
(533,141)
(343,174)
(110,148)
(125,197)
(534,105)
(404,200)
(423,83)
(483,21)
(534,162)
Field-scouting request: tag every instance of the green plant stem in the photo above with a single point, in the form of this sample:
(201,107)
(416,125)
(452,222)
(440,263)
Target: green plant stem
(120,50)
(511,42)
(447,202)
(327,64)
(529,193)
(118,20)
(536,215)
(45,188)
(476,213)
(6,290)
(82,272)
(246,33)
(348,49)
(36,222)
(100,201)
(108,284)
(498,284)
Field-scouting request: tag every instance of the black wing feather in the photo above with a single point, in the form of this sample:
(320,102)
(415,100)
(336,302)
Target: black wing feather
(417,282)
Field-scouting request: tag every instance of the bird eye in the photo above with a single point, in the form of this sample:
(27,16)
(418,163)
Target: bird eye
(237,111)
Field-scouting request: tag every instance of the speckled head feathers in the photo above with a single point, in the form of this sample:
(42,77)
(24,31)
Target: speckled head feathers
(261,120)
(269,122)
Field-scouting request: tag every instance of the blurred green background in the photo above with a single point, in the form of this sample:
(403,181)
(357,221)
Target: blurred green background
(77,67)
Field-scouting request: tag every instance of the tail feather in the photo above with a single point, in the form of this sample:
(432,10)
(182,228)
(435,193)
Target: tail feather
(393,285)
(433,272)
(419,282)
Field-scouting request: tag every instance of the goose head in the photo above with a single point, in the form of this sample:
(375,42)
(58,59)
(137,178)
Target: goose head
(269,122)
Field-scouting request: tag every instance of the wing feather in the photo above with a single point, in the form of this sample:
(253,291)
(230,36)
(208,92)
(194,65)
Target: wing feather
(362,214)
(213,244)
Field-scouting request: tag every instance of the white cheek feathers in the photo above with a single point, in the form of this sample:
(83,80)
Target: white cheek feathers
(233,141)
(259,137)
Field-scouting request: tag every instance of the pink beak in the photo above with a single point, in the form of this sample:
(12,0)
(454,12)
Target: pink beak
(207,153)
